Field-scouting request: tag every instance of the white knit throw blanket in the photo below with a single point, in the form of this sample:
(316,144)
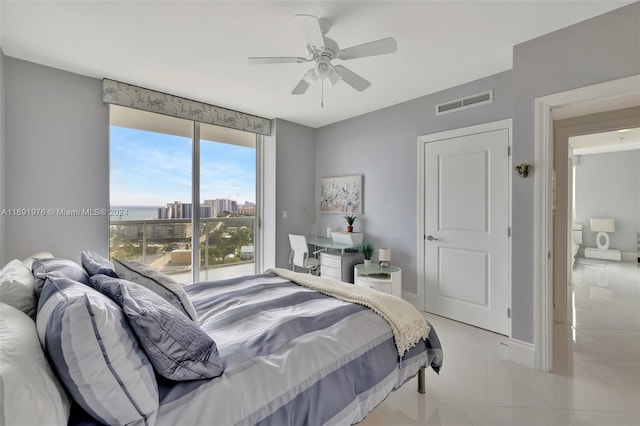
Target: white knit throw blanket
(407,324)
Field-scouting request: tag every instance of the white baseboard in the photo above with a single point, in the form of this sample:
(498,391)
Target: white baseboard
(522,352)
(410,297)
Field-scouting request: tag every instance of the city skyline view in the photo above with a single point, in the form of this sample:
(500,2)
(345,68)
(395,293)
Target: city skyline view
(152,169)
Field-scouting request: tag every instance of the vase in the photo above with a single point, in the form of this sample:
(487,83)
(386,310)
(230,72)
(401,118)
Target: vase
(349,228)
(367,262)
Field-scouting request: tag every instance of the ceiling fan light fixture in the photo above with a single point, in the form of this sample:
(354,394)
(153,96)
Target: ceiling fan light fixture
(323,69)
(334,78)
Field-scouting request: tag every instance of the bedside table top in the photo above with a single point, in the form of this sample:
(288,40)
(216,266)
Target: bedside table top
(375,269)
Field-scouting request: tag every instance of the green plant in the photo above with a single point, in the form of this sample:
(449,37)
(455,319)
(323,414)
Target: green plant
(350,218)
(367,250)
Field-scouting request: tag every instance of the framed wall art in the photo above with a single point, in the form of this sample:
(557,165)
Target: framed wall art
(341,194)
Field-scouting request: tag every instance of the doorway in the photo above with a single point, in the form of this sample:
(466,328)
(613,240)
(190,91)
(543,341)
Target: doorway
(592,96)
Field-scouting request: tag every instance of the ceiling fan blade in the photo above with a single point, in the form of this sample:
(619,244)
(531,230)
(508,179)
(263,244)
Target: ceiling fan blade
(311,28)
(300,88)
(308,79)
(373,48)
(351,78)
(276,60)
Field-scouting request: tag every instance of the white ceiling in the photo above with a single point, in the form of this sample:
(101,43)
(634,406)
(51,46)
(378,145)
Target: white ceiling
(199,49)
(597,143)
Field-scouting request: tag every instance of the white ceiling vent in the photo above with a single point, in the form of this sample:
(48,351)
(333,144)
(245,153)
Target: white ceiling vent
(464,103)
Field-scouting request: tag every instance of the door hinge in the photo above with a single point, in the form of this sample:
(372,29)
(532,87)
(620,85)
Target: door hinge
(509,231)
(508,312)
(549,255)
(508,151)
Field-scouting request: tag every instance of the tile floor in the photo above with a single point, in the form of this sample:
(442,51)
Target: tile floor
(596,378)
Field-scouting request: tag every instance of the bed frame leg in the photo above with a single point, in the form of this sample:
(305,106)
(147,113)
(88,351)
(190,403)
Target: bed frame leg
(421,380)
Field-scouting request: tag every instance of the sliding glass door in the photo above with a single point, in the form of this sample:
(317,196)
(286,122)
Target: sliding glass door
(227,191)
(160,168)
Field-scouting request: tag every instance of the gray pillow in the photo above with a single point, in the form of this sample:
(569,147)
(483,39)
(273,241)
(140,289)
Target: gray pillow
(93,263)
(170,289)
(57,268)
(177,347)
(96,353)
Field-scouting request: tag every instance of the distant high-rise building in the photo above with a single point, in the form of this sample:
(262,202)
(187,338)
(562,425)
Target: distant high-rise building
(174,210)
(186,211)
(206,211)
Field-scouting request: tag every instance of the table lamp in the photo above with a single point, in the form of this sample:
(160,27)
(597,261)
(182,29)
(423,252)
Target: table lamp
(602,227)
(384,257)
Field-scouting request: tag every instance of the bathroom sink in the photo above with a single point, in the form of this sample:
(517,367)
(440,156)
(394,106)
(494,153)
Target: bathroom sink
(350,238)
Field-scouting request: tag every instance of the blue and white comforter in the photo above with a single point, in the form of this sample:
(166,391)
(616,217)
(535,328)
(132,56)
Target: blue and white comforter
(292,356)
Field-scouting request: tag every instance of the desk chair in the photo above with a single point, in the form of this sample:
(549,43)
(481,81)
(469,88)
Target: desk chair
(300,254)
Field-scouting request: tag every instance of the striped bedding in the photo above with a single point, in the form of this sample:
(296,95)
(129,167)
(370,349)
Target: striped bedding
(292,356)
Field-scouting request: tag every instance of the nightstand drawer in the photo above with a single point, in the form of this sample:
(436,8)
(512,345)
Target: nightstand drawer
(384,287)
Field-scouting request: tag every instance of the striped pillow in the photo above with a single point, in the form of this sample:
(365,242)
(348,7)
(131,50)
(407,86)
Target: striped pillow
(57,267)
(96,354)
(162,284)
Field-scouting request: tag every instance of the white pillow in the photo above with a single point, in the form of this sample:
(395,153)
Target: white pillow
(17,287)
(40,255)
(30,393)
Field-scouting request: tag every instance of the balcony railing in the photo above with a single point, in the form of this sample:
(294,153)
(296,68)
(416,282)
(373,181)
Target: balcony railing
(166,245)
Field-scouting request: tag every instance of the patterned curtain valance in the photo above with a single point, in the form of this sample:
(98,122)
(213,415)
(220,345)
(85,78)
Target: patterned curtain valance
(123,94)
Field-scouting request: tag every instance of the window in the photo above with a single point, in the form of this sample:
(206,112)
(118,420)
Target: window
(160,168)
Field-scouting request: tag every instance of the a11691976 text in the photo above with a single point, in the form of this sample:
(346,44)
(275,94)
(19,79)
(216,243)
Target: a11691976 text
(57,212)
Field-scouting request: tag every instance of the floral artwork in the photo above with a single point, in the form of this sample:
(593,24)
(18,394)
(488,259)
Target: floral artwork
(341,194)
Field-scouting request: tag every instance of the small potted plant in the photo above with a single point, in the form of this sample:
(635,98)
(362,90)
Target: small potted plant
(367,251)
(350,220)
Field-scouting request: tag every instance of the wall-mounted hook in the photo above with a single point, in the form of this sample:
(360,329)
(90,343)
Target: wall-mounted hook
(523,169)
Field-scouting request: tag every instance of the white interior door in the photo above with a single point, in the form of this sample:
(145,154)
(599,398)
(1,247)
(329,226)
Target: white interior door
(466,228)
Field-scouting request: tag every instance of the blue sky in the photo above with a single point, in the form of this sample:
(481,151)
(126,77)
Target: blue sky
(152,169)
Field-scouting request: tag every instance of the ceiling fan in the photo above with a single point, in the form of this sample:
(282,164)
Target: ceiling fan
(322,50)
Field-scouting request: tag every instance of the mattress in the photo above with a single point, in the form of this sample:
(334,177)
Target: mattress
(292,356)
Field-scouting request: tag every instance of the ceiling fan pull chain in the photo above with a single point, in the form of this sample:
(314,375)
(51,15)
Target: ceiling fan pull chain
(322,98)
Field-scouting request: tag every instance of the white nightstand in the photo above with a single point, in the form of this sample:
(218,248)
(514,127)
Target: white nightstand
(385,279)
(606,254)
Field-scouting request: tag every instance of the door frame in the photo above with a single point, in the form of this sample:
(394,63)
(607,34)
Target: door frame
(543,225)
(421,236)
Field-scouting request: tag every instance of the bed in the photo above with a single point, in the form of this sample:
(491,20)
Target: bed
(292,356)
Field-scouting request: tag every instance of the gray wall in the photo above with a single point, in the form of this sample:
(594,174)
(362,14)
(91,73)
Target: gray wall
(295,173)
(2,128)
(383,147)
(601,49)
(608,185)
(56,157)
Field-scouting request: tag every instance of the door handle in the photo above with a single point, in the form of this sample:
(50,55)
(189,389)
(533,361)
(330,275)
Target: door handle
(431,238)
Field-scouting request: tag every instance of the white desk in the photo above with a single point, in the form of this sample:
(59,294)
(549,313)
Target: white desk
(329,244)
(336,259)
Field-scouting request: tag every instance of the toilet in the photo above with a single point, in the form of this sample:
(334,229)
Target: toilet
(576,239)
